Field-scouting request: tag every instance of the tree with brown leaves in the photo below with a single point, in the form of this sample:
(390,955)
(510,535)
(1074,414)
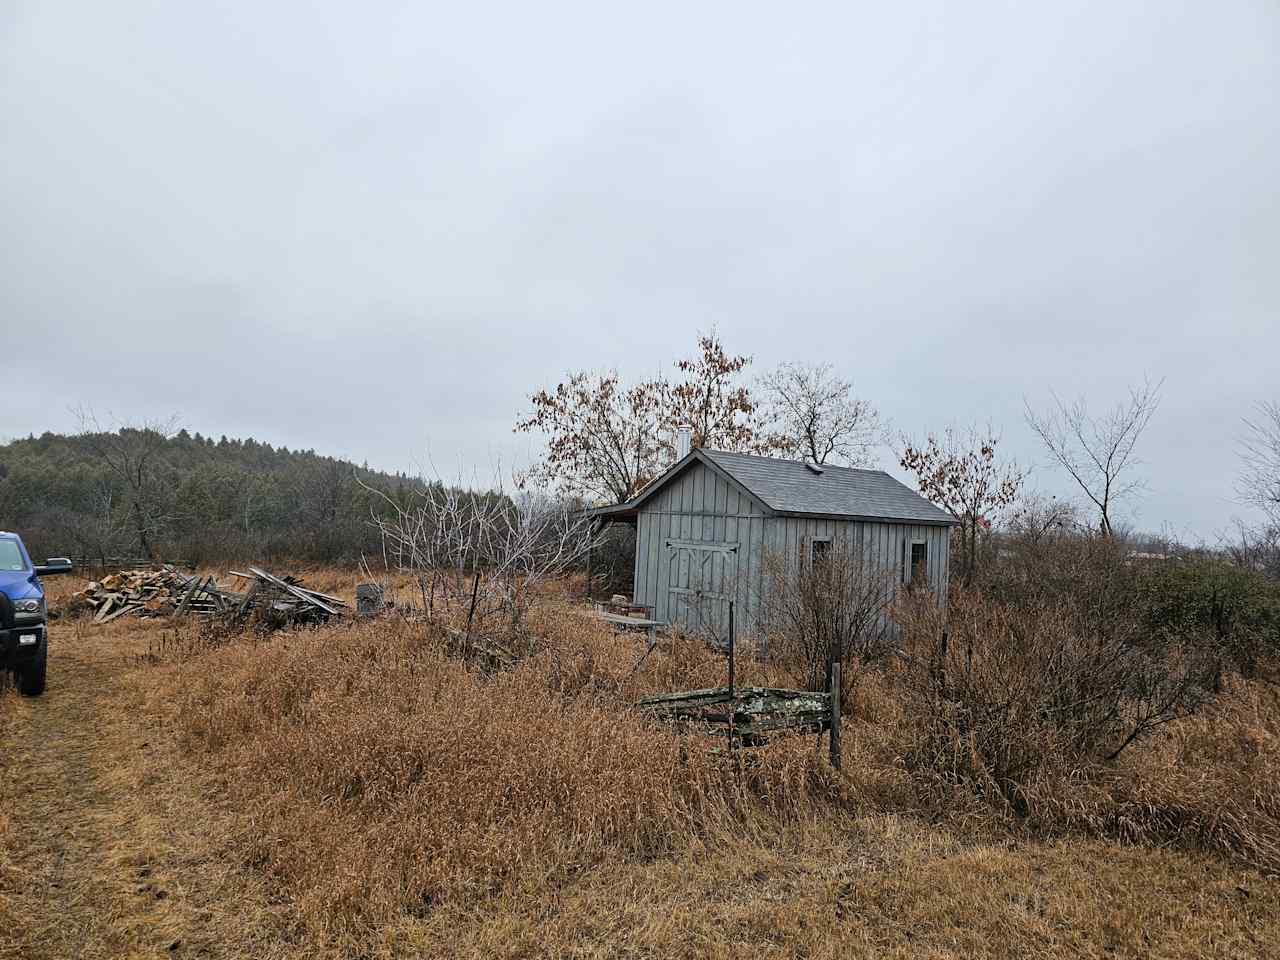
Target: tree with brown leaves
(606,441)
(960,473)
(714,402)
(603,438)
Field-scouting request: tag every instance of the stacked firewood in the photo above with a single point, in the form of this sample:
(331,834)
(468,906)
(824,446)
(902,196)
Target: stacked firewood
(144,593)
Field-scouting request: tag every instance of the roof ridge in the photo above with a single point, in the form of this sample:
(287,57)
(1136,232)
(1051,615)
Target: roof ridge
(825,466)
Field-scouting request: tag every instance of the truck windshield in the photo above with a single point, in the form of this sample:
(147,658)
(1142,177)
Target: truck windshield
(11,557)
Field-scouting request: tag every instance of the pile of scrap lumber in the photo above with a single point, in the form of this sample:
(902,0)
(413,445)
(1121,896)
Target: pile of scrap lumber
(283,601)
(165,591)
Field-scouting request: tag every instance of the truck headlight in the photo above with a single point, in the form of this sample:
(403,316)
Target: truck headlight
(28,611)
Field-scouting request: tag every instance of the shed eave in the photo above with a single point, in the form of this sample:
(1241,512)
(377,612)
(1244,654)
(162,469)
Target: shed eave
(864,518)
(616,513)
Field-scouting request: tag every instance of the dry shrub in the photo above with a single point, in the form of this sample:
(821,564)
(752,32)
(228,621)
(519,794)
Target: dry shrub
(380,776)
(1067,731)
(1210,781)
(1004,689)
(832,607)
(1231,611)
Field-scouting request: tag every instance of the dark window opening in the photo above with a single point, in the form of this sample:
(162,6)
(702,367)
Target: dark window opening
(919,564)
(819,550)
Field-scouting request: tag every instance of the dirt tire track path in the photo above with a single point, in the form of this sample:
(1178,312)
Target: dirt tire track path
(104,852)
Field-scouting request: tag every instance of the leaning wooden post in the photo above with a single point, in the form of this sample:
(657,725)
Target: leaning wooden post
(186,600)
(835,715)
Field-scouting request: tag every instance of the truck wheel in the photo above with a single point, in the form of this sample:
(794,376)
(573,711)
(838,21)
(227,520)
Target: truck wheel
(31,677)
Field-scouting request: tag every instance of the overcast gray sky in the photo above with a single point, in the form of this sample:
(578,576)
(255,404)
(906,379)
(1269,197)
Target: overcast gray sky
(373,228)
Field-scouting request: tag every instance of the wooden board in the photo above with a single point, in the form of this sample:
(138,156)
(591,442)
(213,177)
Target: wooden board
(293,591)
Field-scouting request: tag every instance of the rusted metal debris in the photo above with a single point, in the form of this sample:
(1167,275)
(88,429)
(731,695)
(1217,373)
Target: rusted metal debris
(168,592)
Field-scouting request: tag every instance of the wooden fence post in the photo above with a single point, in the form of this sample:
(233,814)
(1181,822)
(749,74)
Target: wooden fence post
(940,675)
(731,651)
(733,702)
(835,715)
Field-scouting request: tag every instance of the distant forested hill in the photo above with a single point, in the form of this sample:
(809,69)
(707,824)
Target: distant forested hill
(138,492)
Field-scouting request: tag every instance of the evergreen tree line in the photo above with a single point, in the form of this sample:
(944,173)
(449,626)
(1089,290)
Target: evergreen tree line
(144,492)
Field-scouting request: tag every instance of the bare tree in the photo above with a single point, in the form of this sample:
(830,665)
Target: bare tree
(132,453)
(1098,451)
(485,546)
(98,530)
(1256,549)
(1259,482)
(818,417)
(960,472)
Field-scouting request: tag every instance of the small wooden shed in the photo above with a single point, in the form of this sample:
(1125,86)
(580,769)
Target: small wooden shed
(704,527)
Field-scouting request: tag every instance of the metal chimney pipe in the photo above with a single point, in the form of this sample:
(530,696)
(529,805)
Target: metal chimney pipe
(684,436)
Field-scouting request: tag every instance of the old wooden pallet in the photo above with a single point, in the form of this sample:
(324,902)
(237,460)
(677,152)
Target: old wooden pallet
(752,713)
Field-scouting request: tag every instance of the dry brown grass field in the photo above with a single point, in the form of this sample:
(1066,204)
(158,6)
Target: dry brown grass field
(353,791)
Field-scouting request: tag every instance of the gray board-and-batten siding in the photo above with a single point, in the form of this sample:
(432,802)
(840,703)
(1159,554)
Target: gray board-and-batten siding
(702,534)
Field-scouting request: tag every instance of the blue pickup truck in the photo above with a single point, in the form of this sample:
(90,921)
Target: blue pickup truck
(24,617)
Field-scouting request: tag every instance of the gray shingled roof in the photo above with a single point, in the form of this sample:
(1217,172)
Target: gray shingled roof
(791,486)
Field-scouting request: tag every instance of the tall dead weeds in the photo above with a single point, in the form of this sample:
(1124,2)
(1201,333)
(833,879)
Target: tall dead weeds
(380,775)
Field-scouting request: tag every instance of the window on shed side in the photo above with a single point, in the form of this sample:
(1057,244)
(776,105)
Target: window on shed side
(819,550)
(919,564)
